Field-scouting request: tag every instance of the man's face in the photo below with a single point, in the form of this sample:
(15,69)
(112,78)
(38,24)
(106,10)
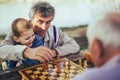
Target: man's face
(93,56)
(41,24)
(26,38)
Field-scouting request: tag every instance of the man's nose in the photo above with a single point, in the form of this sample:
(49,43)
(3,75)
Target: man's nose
(43,26)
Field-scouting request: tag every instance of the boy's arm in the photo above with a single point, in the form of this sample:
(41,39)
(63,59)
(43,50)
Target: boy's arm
(9,51)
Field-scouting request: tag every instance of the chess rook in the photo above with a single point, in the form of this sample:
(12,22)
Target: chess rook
(69,64)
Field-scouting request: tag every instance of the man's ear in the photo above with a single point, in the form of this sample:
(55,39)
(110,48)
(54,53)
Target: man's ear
(16,39)
(98,48)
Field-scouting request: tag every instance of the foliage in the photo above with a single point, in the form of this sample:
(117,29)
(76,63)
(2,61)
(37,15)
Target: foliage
(2,36)
(84,47)
(72,28)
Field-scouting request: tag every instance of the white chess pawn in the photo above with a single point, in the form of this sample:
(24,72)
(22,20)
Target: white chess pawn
(4,65)
(85,64)
(80,63)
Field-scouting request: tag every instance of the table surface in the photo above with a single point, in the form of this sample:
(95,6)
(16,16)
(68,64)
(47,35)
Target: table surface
(12,74)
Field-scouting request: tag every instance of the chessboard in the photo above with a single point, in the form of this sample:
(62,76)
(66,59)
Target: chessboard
(62,69)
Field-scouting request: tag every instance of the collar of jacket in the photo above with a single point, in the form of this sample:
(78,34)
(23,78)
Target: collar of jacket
(47,37)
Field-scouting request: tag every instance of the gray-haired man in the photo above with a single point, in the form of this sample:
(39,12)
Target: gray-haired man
(55,41)
(104,45)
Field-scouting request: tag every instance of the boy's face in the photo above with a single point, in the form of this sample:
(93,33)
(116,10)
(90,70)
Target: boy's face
(26,38)
(41,24)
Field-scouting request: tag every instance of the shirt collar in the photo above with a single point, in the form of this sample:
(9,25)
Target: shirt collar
(113,62)
(47,37)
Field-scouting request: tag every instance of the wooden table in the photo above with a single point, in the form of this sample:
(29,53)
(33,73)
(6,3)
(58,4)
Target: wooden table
(12,74)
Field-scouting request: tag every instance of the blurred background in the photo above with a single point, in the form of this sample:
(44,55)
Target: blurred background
(72,16)
(69,13)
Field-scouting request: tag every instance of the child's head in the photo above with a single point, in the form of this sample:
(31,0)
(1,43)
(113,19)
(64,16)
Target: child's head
(23,31)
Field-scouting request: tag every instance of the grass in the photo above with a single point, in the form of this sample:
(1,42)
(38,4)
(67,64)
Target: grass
(73,32)
(83,47)
(72,28)
(2,36)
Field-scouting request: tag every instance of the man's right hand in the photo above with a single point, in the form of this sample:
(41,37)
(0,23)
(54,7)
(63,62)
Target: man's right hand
(40,53)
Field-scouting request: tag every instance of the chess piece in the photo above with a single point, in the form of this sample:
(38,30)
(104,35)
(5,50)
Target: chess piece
(58,56)
(34,76)
(85,64)
(42,77)
(58,69)
(58,62)
(23,78)
(4,65)
(58,73)
(88,56)
(68,76)
(45,66)
(80,63)
(69,64)
(65,70)
(54,63)
(65,77)
(64,65)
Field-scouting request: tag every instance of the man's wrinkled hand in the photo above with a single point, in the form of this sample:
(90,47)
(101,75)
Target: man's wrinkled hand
(40,53)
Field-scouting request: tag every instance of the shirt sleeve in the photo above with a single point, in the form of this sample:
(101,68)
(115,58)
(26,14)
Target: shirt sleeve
(66,45)
(10,51)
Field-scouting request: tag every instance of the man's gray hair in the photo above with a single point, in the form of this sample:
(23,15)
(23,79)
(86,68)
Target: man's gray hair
(107,30)
(106,27)
(42,8)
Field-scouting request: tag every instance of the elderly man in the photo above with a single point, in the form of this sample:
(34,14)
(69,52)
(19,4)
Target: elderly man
(104,45)
(55,41)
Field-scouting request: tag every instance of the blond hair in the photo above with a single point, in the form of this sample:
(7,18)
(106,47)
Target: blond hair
(20,25)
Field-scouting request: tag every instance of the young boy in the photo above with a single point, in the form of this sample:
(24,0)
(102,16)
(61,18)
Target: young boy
(24,35)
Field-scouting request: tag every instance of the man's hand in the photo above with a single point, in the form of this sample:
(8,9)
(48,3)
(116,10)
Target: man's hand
(40,53)
(54,53)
